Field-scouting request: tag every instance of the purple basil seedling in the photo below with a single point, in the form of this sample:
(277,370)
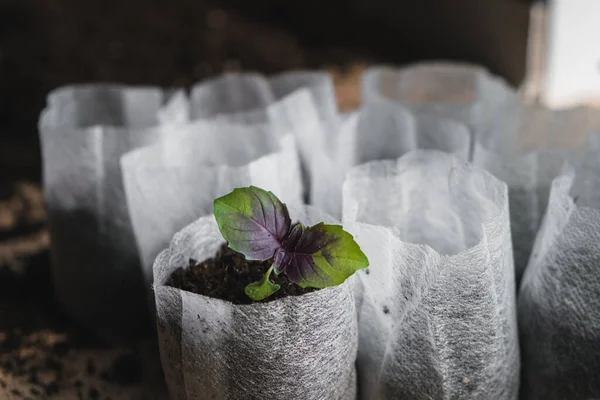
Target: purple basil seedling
(255,223)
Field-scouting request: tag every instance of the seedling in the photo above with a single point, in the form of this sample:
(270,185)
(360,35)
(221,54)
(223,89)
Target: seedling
(257,224)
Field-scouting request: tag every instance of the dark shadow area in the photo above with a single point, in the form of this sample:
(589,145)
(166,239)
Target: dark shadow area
(48,44)
(492,33)
(99,281)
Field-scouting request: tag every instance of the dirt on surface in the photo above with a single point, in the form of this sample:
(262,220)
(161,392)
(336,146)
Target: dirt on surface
(226,275)
(43,353)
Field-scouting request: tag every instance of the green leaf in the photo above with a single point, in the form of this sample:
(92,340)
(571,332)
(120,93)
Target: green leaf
(322,256)
(253,221)
(263,289)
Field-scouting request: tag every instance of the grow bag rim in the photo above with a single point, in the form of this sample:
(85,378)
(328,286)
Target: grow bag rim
(499,209)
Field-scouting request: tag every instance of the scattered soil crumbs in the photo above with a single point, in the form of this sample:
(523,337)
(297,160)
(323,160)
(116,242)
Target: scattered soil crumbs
(226,275)
(33,359)
(48,364)
(43,353)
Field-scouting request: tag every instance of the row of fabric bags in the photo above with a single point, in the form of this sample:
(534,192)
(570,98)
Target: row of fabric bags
(245,129)
(211,346)
(462,92)
(434,315)
(436,309)
(224,125)
(174,182)
(300,103)
(127,167)
(548,159)
(523,145)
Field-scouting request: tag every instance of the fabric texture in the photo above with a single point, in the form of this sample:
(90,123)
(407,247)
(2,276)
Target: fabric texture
(84,130)
(559,302)
(173,183)
(436,307)
(525,146)
(301,103)
(301,347)
(463,92)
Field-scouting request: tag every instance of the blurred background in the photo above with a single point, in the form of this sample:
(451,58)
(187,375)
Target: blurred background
(46,44)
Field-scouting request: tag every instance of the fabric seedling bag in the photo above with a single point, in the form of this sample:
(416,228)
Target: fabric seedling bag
(559,302)
(380,130)
(459,91)
(301,347)
(234,97)
(172,183)
(245,97)
(436,307)
(322,91)
(387,130)
(323,171)
(84,131)
(525,146)
(299,102)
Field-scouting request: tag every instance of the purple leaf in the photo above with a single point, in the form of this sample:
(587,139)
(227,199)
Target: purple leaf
(253,221)
(319,256)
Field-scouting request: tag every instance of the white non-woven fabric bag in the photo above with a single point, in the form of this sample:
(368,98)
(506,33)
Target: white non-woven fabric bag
(302,103)
(95,270)
(323,171)
(245,97)
(463,92)
(387,130)
(298,347)
(172,183)
(525,146)
(436,307)
(559,299)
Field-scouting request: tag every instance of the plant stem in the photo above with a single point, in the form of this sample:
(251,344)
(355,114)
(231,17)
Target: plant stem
(263,289)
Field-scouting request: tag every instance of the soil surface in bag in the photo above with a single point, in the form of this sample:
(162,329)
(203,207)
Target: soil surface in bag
(226,275)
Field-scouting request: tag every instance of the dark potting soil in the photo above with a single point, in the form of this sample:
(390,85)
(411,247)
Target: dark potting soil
(226,275)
